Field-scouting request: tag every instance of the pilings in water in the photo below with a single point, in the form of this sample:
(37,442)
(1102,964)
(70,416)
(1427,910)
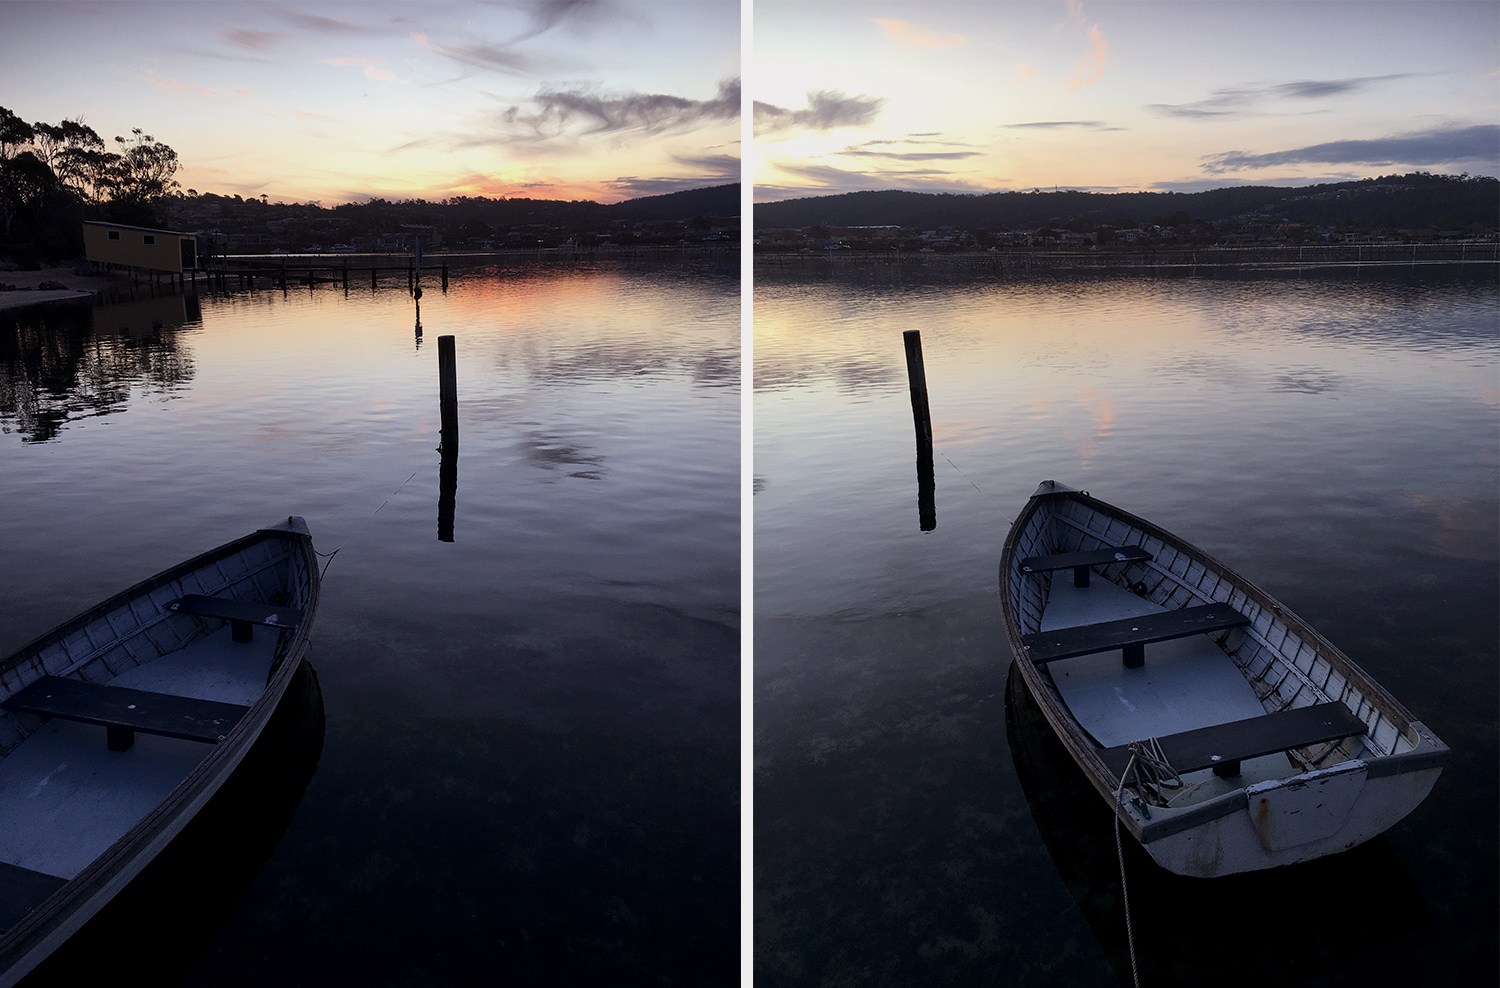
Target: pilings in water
(916,375)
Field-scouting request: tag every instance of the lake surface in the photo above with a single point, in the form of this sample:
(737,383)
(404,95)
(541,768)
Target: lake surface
(1333,435)
(527,767)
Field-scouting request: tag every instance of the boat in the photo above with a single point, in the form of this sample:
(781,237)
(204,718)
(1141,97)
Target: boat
(118,726)
(1225,733)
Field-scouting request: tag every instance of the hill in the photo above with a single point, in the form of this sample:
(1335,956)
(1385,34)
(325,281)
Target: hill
(1418,200)
(718,201)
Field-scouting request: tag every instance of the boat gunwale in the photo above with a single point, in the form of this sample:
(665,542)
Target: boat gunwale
(1427,750)
(66,910)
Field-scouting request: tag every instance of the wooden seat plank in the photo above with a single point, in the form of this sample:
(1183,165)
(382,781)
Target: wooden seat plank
(240,614)
(1131,634)
(1079,562)
(1223,746)
(124,711)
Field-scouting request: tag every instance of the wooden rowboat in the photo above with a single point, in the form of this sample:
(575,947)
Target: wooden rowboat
(118,726)
(1227,734)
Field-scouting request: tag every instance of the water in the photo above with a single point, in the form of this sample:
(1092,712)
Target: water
(1335,436)
(529,771)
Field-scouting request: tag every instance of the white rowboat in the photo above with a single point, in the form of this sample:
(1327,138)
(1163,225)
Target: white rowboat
(117,727)
(1227,734)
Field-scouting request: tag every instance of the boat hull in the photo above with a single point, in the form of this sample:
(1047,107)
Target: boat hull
(280,558)
(1283,808)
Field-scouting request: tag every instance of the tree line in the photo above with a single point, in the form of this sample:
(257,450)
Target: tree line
(54,176)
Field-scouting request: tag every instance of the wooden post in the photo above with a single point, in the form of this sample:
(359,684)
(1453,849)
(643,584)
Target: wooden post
(448,392)
(447,490)
(445,277)
(916,374)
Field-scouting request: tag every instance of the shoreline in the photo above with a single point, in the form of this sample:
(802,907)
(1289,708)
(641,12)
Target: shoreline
(23,288)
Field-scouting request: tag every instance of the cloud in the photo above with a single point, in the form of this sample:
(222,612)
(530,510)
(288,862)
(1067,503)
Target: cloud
(898,149)
(173,86)
(319,24)
(1061,125)
(556,111)
(250,40)
(1441,146)
(499,58)
(374,67)
(1226,102)
(913,36)
(548,14)
(817,179)
(826,110)
(1090,68)
(700,171)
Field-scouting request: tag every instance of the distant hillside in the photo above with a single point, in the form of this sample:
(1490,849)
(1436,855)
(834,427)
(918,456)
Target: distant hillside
(1400,202)
(718,201)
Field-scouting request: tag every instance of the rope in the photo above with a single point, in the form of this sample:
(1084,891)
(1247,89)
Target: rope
(1135,973)
(1153,773)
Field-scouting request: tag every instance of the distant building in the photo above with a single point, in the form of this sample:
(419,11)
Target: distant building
(140,247)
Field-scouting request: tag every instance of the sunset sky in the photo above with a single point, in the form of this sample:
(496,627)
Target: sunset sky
(1111,95)
(337,102)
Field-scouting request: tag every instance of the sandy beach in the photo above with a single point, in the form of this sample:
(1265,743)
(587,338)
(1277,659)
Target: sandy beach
(18,288)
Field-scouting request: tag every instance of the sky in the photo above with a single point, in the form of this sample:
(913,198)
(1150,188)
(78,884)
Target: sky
(1115,95)
(342,102)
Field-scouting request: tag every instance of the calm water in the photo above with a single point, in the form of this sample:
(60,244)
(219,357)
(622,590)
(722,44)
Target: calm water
(1336,437)
(529,769)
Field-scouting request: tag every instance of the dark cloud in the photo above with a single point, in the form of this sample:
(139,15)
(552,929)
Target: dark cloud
(908,155)
(900,149)
(1442,146)
(556,111)
(825,110)
(1061,125)
(498,58)
(548,14)
(1228,102)
(700,171)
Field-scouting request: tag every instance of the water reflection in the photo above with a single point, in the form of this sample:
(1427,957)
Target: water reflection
(64,362)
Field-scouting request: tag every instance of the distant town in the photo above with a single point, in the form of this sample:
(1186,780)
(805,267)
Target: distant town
(230,225)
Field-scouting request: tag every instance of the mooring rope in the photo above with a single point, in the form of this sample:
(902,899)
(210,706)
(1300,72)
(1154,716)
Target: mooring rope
(1135,973)
(329,555)
(1153,773)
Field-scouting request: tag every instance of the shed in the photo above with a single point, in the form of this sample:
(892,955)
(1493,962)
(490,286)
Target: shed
(140,247)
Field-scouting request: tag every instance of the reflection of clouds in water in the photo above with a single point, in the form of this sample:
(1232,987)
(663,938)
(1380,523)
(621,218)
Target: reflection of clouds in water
(1102,414)
(1460,528)
(554,452)
(854,375)
(1308,381)
(636,358)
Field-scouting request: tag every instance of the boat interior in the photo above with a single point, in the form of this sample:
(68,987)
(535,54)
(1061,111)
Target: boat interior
(1257,670)
(65,796)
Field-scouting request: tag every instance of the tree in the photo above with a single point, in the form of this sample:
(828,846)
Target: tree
(15,134)
(145,169)
(74,151)
(24,181)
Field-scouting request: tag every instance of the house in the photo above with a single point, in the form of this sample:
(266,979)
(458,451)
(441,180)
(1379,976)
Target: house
(139,247)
